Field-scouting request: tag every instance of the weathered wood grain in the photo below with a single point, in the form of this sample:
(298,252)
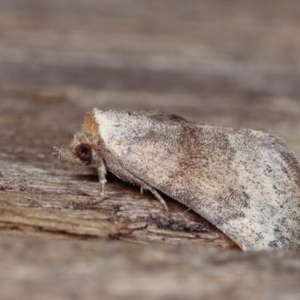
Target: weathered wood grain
(235,64)
(47,269)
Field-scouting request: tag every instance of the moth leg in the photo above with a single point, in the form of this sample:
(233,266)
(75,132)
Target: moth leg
(157,196)
(128,176)
(101,173)
(131,178)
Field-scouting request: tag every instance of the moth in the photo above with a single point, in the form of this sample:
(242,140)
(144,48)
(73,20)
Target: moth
(246,182)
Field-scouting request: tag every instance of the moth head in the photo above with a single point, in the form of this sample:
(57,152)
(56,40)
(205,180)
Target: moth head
(81,151)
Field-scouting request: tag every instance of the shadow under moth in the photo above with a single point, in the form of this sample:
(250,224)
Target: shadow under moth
(245,182)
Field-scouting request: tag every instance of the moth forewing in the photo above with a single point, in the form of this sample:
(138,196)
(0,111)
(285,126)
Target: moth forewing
(243,181)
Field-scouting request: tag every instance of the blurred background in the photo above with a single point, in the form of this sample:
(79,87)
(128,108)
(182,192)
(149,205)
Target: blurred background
(223,62)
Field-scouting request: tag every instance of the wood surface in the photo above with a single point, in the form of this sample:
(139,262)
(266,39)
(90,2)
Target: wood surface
(234,64)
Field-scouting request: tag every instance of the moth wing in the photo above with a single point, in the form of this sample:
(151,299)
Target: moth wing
(245,182)
(159,116)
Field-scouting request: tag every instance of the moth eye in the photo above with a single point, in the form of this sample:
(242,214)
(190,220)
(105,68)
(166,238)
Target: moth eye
(84,152)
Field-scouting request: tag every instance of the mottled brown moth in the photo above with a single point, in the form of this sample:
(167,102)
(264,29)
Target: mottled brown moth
(246,182)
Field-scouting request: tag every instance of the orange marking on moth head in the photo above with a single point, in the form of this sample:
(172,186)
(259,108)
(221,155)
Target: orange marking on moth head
(90,125)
